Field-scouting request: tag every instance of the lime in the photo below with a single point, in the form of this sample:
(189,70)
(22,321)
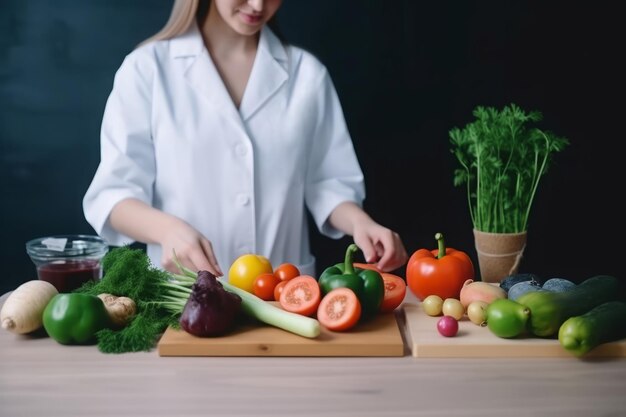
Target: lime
(507,318)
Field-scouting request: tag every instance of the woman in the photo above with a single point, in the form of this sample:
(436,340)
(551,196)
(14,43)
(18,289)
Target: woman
(216,139)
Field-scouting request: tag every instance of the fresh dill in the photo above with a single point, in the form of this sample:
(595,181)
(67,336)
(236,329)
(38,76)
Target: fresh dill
(159,295)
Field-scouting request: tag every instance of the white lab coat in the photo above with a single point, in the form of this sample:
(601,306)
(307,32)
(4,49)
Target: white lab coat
(172,137)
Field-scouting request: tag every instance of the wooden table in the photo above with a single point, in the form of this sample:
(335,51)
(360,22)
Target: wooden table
(39,377)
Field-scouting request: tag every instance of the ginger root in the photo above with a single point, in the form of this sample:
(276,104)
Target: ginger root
(121,309)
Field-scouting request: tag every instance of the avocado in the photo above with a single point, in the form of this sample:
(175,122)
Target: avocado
(522,288)
(507,282)
(558,285)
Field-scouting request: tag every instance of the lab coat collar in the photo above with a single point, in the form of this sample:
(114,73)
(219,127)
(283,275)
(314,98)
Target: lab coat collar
(189,44)
(269,72)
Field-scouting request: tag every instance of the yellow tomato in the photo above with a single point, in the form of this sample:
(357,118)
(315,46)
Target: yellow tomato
(246,268)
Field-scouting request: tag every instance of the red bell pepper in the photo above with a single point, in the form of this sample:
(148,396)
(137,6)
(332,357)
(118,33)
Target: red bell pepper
(441,271)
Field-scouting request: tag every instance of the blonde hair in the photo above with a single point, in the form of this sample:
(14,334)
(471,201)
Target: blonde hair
(184,12)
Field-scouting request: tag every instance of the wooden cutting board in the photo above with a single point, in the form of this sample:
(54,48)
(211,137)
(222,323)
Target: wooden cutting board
(379,337)
(473,341)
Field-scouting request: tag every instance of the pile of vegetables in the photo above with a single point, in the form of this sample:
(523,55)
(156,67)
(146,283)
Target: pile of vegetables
(581,316)
(126,311)
(68,318)
(162,298)
(134,303)
(345,294)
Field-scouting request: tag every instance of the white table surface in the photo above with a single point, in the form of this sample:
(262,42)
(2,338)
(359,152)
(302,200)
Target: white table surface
(39,377)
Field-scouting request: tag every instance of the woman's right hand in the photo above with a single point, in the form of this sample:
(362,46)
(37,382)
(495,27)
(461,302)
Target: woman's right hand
(192,249)
(146,224)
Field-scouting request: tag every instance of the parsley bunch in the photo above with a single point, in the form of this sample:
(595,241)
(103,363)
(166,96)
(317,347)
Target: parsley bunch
(502,158)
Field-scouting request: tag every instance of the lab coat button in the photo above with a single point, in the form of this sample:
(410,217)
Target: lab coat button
(243,200)
(240,149)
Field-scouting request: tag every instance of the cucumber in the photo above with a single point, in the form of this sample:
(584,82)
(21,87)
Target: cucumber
(548,310)
(603,323)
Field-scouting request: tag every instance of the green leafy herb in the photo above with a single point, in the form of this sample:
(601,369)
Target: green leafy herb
(160,299)
(502,159)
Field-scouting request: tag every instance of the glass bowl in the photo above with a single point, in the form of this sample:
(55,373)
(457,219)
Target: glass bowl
(67,261)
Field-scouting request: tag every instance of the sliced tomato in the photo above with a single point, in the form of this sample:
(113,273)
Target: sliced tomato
(395,290)
(339,310)
(264,285)
(286,271)
(301,295)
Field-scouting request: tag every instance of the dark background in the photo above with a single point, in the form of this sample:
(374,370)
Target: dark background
(406,73)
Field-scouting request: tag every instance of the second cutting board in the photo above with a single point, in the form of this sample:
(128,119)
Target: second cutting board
(473,341)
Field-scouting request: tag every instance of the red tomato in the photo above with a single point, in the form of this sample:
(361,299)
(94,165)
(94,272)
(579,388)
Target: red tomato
(286,271)
(339,310)
(278,289)
(395,290)
(301,295)
(263,286)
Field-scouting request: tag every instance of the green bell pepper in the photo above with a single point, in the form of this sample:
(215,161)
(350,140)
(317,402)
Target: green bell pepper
(368,285)
(74,318)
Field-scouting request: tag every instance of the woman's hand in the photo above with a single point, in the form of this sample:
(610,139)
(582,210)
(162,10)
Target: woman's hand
(146,224)
(381,245)
(192,249)
(378,243)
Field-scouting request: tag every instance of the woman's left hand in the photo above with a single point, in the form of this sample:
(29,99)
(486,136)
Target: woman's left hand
(378,243)
(381,245)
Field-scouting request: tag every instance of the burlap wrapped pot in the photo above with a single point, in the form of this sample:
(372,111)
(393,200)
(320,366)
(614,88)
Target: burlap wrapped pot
(499,254)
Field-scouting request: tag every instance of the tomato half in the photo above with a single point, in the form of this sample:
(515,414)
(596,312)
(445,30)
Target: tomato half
(264,285)
(339,310)
(395,290)
(301,295)
(286,271)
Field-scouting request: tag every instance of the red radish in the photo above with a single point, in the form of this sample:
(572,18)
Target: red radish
(448,326)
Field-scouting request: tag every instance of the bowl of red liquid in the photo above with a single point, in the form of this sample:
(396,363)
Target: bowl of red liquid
(67,261)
